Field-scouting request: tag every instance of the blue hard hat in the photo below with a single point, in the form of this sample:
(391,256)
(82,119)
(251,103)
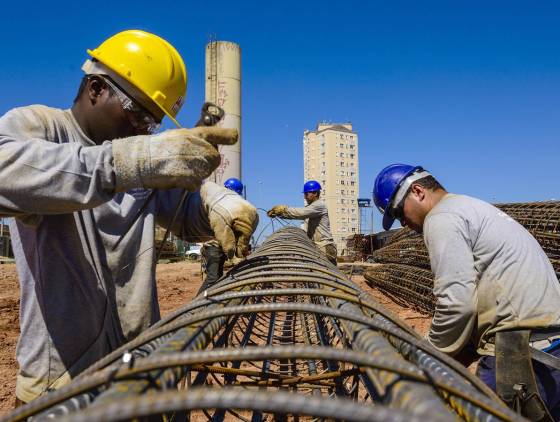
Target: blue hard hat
(311,186)
(234,184)
(386,186)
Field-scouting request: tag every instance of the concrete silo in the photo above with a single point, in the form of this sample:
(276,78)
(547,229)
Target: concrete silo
(223,88)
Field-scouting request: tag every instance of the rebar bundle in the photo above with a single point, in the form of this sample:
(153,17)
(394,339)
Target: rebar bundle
(408,251)
(542,220)
(283,336)
(408,286)
(402,234)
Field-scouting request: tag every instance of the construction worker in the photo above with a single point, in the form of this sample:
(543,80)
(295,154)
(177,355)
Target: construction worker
(317,216)
(73,179)
(212,254)
(495,288)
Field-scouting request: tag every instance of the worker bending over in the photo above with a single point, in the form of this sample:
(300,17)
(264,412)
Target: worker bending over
(75,179)
(317,216)
(212,254)
(495,288)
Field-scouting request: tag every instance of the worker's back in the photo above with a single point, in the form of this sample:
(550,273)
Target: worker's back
(516,286)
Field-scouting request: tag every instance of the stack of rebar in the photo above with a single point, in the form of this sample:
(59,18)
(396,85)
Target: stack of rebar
(542,220)
(358,247)
(404,272)
(283,336)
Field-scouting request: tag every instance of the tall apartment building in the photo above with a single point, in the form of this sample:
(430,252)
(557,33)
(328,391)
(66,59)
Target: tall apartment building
(330,156)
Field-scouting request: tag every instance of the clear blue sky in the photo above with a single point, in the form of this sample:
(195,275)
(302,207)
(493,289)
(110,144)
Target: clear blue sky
(470,90)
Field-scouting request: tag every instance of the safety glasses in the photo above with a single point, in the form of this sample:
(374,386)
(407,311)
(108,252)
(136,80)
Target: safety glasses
(139,118)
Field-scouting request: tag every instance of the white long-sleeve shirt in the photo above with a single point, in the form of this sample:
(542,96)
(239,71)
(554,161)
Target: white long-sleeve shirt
(80,299)
(490,275)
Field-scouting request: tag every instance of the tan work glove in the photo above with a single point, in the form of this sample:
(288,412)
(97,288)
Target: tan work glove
(231,217)
(277,211)
(176,158)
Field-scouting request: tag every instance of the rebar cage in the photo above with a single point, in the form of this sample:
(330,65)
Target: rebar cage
(283,336)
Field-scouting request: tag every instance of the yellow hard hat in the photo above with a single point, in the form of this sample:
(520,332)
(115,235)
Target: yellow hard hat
(150,64)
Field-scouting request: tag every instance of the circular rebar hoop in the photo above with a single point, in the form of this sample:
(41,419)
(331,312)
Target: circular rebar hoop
(283,334)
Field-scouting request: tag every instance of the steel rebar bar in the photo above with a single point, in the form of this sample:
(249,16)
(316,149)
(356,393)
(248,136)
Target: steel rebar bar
(284,335)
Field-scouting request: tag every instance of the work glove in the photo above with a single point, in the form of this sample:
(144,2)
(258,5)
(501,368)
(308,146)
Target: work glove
(176,158)
(231,217)
(277,211)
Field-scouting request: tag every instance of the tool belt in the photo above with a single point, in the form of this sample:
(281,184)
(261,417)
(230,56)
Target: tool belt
(515,380)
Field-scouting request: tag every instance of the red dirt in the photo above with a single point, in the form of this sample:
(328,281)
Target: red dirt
(177,284)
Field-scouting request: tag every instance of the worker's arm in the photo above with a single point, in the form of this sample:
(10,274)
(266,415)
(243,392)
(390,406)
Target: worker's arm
(303,213)
(192,222)
(42,177)
(214,211)
(452,262)
(39,175)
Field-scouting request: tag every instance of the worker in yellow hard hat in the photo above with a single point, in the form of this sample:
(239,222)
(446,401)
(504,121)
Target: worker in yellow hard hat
(75,179)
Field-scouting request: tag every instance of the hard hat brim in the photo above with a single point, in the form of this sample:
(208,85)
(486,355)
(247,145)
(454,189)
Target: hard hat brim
(388,220)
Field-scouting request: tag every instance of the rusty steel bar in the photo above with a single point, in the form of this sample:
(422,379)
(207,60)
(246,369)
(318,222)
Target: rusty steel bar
(283,335)
(408,251)
(406,285)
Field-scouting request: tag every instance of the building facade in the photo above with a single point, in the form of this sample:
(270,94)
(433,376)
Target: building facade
(330,156)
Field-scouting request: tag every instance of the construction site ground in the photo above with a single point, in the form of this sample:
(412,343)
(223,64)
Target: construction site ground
(177,284)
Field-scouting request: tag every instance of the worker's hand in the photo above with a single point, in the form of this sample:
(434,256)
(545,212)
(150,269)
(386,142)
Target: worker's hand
(231,217)
(177,158)
(277,211)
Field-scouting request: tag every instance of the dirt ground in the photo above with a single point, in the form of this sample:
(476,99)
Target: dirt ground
(177,284)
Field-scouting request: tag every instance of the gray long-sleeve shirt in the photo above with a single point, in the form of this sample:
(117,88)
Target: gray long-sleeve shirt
(490,275)
(318,224)
(80,299)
